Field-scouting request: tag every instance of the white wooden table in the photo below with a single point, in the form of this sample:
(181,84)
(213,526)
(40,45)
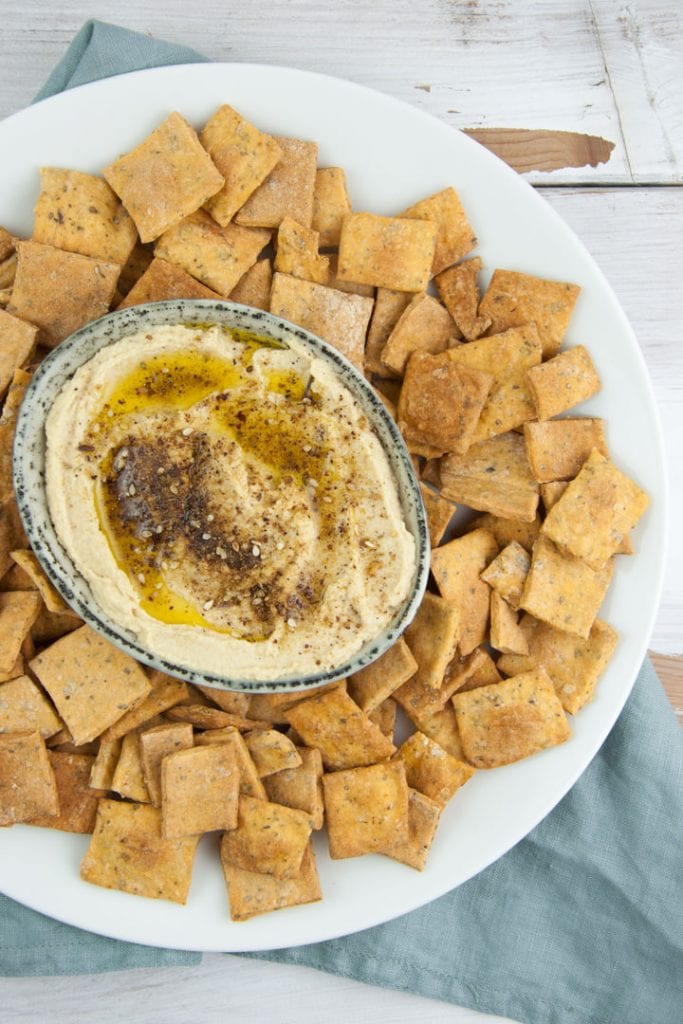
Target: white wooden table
(608,69)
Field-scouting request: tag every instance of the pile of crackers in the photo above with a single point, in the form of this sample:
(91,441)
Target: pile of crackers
(506,644)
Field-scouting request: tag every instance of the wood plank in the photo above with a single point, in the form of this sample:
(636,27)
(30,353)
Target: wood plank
(670,671)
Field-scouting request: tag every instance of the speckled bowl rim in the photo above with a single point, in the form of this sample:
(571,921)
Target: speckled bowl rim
(29,476)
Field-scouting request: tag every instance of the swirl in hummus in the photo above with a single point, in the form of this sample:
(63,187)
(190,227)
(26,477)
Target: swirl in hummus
(228,502)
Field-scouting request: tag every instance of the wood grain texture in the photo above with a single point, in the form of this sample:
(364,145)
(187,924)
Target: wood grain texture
(526,150)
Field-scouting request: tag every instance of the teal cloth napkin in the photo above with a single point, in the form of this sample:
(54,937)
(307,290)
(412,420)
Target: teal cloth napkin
(582,923)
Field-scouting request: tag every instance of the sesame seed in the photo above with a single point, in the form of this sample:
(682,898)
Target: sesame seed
(210,518)
(158,586)
(206,536)
(174,565)
(256,551)
(159,529)
(161,471)
(187,431)
(306,448)
(235,546)
(327,499)
(221,552)
(131,490)
(173,489)
(207,606)
(257,600)
(291,623)
(280,545)
(146,534)
(141,577)
(312,482)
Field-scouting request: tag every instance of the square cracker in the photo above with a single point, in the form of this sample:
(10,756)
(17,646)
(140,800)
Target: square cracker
(564,591)
(562,382)
(27,561)
(513,299)
(165,693)
(128,779)
(271,751)
(156,744)
(573,664)
(91,682)
(366,809)
(269,838)
(244,156)
(106,759)
(493,476)
(288,189)
(216,256)
(440,404)
(166,177)
(27,781)
(439,511)
(505,636)
(17,343)
(24,707)
(80,213)
(458,289)
(12,528)
(510,720)
(331,204)
(557,449)
(432,770)
(507,573)
(372,685)
(251,893)
(423,819)
(337,317)
(297,253)
(476,669)
(389,252)
(250,783)
(253,288)
(424,326)
(508,530)
(300,787)
(457,567)
(455,237)
(507,356)
(128,852)
(18,612)
(199,791)
(162,280)
(60,291)
(596,511)
(227,700)
(433,636)
(389,307)
(337,727)
(77,801)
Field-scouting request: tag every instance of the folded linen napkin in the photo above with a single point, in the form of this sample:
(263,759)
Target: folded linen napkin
(581,922)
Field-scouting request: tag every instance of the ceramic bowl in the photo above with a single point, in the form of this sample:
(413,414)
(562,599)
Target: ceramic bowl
(29,475)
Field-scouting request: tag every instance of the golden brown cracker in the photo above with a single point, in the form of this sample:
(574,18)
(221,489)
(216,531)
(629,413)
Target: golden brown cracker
(227,700)
(432,770)
(505,635)
(253,288)
(433,636)
(134,267)
(26,559)
(297,253)
(129,779)
(507,531)
(455,237)
(337,727)
(557,449)
(156,744)
(199,791)
(300,787)
(18,612)
(269,838)
(423,820)
(457,567)
(288,189)
(389,307)
(106,760)
(366,809)
(475,669)
(162,280)
(24,708)
(493,476)
(424,326)
(251,893)
(204,717)
(27,782)
(384,717)
(250,783)
(388,252)
(331,204)
(513,299)
(458,289)
(77,801)
(17,344)
(271,751)
(562,382)
(508,572)
(370,686)
(439,511)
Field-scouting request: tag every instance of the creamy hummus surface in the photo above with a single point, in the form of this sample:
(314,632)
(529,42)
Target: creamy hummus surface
(228,502)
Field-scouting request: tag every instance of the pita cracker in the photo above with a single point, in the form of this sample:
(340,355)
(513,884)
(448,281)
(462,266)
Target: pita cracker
(268,837)
(433,636)
(455,237)
(300,787)
(493,476)
(388,252)
(423,819)
(156,744)
(337,727)
(17,344)
(557,449)
(563,382)
(457,567)
(432,770)
(162,280)
(388,309)
(372,685)
(507,573)
(424,326)
(458,289)
(253,288)
(297,253)
(513,299)
(288,189)
(27,781)
(505,635)
(199,791)
(366,809)
(251,893)
(24,708)
(77,801)
(331,204)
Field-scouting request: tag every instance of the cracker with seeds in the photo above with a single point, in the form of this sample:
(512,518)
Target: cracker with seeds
(475,669)
(17,344)
(162,280)
(424,326)
(269,838)
(199,791)
(129,778)
(331,204)
(507,572)
(347,286)
(458,289)
(297,253)
(253,288)
(156,744)
(562,382)
(513,299)
(432,770)
(243,155)
(133,269)
(251,893)
(423,820)
(128,852)
(457,567)
(77,801)
(384,717)
(557,449)
(493,476)
(370,686)
(204,717)
(60,291)
(27,561)
(433,636)
(288,189)
(166,177)
(106,760)
(337,317)
(18,612)
(598,509)
(455,237)
(389,307)
(165,693)
(271,751)
(337,727)
(250,783)
(72,670)
(510,720)
(27,781)
(227,700)
(564,591)
(388,252)
(505,635)
(439,511)
(23,706)
(366,809)
(300,787)
(507,531)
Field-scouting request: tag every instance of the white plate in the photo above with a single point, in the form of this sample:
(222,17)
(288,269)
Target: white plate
(393,155)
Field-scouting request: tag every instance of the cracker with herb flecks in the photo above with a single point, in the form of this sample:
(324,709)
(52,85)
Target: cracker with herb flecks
(163,280)
(26,559)
(156,744)
(339,318)
(269,838)
(12,527)
(458,289)
(596,511)
(271,751)
(370,686)
(106,760)
(507,573)
(563,382)
(389,307)
(505,635)
(366,809)
(199,791)
(388,252)
(337,727)
(423,820)
(424,326)
(77,801)
(72,670)
(227,700)
(129,779)
(564,591)
(300,787)
(573,664)
(288,189)
(384,717)
(27,781)
(347,286)
(134,267)
(251,893)
(128,852)
(60,291)
(433,636)
(253,288)
(432,770)
(297,253)
(17,344)
(243,155)
(493,476)
(165,692)
(439,511)
(455,237)
(513,299)
(457,567)
(507,531)
(440,404)
(331,204)
(475,669)
(166,177)
(18,612)
(510,720)
(250,783)
(80,213)
(440,725)
(557,449)
(23,706)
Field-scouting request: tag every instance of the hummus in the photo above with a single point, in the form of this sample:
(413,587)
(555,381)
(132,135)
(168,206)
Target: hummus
(227,502)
